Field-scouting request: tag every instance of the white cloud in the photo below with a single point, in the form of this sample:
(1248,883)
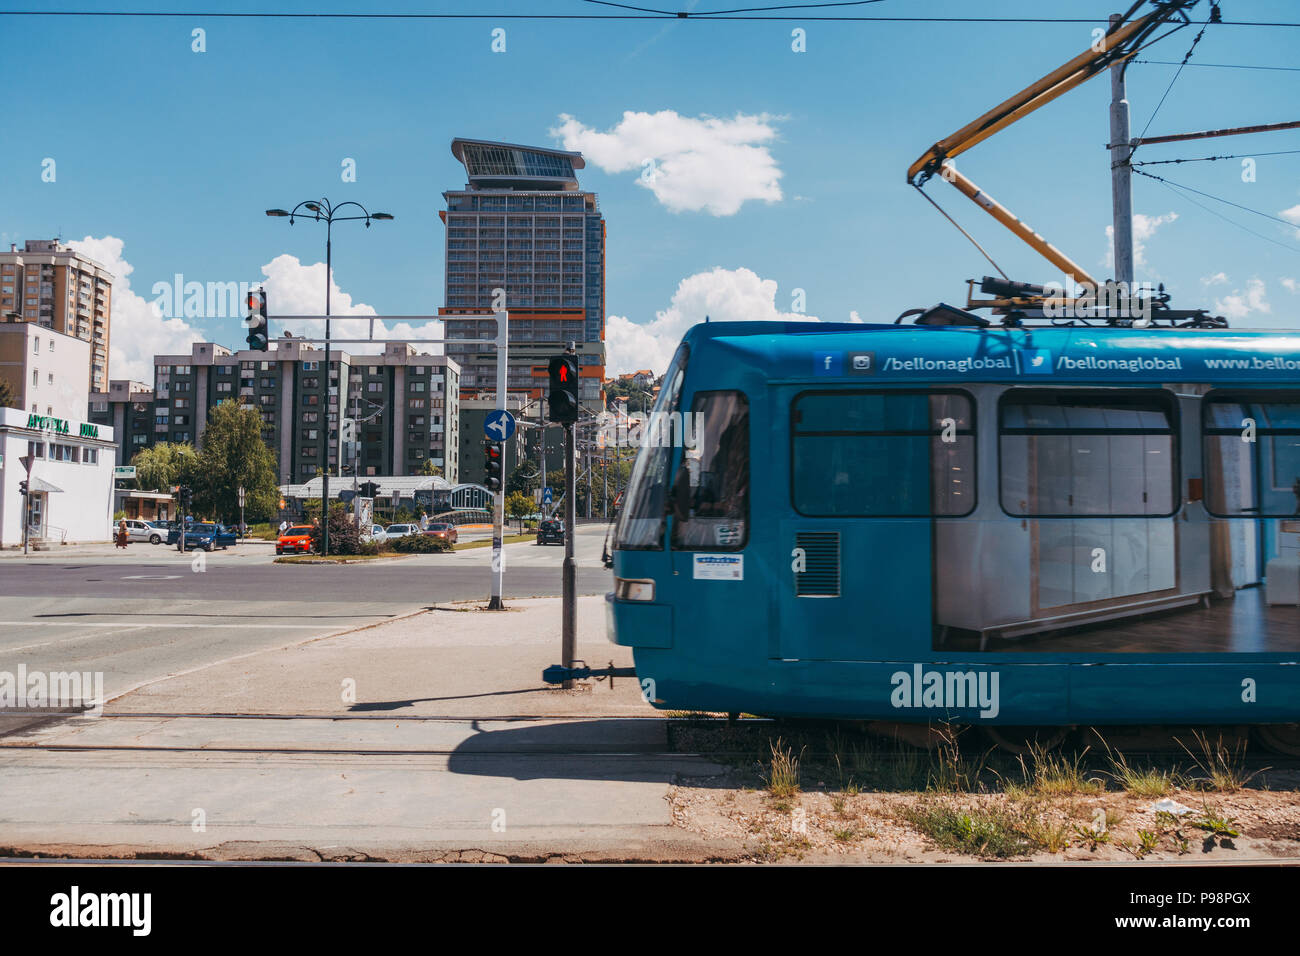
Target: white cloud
(1239,305)
(296,289)
(1219,278)
(136,332)
(1292,216)
(724,295)
(1144,228)
(689,163)
(1291,285)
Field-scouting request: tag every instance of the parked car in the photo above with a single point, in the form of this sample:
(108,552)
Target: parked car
(205,536)
(402,530)
(550,531)
(174,529)
(377,533)
(295,540)
(443,530)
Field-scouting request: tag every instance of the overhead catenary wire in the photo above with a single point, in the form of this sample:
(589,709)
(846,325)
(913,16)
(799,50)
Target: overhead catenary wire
(1210,159)
(1227,202)
(1186,56)
(632,14)
(1174,188)
(1221,66)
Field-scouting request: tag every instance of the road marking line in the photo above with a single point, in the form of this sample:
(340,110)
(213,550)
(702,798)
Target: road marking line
(154,624)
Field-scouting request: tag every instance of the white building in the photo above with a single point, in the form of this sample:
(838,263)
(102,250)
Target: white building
(71,480)
(45,369)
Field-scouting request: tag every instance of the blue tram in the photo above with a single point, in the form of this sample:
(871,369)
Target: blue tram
(1005,526)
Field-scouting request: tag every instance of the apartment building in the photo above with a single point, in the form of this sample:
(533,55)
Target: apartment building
(50,285)
(128,408)
(386,414)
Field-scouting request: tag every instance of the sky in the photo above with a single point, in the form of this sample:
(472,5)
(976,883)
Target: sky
(740,177)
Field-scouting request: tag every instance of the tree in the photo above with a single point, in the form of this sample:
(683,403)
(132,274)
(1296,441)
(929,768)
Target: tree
(524,478)
(518,505)
(8,399)
(234,455)
(429,468)
(165,464)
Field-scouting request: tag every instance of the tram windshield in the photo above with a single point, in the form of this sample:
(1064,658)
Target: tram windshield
(641,524)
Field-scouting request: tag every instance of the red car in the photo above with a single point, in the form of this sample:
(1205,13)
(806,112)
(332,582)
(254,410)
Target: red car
(440,529)
(295,540)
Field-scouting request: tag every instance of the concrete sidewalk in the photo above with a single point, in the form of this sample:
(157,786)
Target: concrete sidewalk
(104,549)
(430,737)
(456,660)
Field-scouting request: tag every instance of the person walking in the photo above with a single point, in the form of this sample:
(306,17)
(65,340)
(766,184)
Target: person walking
(121,533)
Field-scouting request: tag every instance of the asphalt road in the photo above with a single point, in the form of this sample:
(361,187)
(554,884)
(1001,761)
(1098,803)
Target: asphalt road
(149,612)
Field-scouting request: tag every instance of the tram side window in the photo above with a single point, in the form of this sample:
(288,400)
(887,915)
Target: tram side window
(711,491)
(1070,455)
(883,454)
(1252,456)
(641,521)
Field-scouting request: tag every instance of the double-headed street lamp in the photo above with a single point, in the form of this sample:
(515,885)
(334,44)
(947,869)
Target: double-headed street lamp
(321,210)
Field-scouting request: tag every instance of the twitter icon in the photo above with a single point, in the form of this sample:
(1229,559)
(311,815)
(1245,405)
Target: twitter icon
(1036,362)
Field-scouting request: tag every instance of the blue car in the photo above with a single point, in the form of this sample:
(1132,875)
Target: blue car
(204,537)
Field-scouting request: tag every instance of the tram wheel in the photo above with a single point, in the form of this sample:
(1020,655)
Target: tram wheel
(1021,740)
(1280,738)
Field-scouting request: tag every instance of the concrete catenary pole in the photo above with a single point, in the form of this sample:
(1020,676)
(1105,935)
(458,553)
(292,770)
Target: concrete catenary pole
(1121,174)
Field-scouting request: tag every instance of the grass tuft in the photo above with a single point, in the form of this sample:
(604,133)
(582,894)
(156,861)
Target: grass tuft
(1222,766)
(783,771)
(979,832)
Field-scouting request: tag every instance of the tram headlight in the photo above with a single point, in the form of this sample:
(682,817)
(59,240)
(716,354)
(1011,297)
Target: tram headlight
(632,589)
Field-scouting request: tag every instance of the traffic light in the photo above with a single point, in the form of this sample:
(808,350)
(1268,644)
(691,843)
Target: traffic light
(563,400)
(186,494)
(492,466)
(22,488)
(258,325)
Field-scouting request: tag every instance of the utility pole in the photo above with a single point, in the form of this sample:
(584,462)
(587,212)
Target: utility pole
(590,446)
(27,461)
(499,498)
(1121,174)
(569,640)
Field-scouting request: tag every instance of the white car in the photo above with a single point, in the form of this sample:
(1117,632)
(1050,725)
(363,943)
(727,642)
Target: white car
(401,530)
(137,530)
(377,533)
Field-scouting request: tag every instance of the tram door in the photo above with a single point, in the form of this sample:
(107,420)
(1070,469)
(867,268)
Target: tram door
(717,586)
(870,471)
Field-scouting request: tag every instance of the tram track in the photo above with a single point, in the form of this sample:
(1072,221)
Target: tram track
(1250,759)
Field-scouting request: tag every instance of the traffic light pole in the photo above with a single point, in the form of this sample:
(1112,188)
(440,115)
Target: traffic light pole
(499,498)
(569,638)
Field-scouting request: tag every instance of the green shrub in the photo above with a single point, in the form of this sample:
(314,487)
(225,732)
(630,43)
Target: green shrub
(419,544)
(345,537)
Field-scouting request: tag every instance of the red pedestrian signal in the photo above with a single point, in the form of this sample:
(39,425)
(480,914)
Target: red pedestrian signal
(563,399)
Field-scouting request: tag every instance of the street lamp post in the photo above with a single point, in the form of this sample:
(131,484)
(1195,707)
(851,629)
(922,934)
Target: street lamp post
(323,211)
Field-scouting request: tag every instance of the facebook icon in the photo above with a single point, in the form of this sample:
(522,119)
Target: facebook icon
(828,363)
